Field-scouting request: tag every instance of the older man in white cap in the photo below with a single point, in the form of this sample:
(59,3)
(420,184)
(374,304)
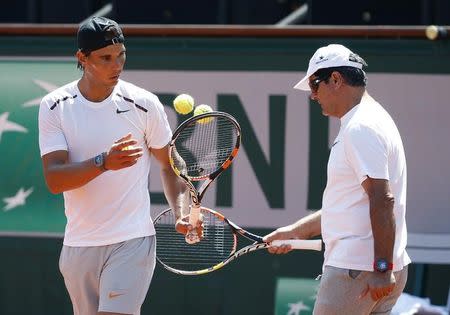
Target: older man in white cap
(362,220)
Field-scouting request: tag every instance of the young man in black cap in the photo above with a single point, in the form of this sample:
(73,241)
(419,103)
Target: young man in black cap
(96,136)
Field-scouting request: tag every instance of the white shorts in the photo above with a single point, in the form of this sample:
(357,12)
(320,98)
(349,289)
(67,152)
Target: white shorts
(112,278)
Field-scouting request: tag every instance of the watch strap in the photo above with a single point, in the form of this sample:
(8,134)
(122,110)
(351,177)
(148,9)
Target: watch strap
(104,161)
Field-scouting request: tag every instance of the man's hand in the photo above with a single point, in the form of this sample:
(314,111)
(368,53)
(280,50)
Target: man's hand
(379,285)
(283,233)
(305,228)
(123,153)
(183,226)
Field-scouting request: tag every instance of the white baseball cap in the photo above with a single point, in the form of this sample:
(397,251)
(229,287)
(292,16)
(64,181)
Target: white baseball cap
(333,55)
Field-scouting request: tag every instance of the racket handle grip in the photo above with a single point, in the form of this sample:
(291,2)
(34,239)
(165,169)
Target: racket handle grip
(300,244)
(192,236)
(194,215)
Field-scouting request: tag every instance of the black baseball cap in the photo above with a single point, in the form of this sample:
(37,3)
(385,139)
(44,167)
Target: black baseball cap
(99,32)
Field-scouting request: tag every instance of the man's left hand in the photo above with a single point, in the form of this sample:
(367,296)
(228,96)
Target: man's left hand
(379,285)
(182,226)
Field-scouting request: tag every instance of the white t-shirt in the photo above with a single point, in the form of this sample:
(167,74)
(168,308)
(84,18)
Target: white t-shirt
(368,144)
(114,206)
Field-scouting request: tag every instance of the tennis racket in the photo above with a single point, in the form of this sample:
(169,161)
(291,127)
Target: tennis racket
(202,147)
(218,247)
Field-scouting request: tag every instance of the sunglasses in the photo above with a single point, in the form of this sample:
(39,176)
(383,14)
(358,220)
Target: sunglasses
(314,84)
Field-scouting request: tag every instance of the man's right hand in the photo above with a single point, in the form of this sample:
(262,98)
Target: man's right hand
(123,153)
(283,233)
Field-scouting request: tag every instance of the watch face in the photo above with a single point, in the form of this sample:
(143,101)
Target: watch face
(98,160)
(382,265)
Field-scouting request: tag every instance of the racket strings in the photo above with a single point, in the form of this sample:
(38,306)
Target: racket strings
(172,250)
(202,148)
(211,163)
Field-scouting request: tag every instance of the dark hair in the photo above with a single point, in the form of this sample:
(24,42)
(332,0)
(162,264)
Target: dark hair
(352,76)
(86,53)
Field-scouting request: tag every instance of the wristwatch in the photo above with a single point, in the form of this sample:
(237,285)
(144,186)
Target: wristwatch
(382,265)
(99,161)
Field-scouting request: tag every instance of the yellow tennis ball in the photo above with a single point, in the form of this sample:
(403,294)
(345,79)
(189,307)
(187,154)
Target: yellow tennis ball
(184,104)
(201,109)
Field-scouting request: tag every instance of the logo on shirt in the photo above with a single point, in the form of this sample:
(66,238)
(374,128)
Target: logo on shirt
(118,111)
(113,294)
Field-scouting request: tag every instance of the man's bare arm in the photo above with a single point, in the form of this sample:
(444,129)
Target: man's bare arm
(175,189)
(382,218)
(62,175)
(381,203)
(305,228)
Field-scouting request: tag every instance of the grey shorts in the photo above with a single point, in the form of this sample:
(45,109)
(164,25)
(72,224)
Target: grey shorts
(111,278)
(339,292)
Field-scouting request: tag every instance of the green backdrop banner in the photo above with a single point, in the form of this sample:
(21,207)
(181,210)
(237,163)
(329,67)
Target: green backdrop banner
(285,140)
(27,206)
(295,296)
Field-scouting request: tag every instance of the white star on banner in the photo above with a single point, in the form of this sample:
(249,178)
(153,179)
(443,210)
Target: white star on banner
(6,125)
(17,200)
(47,86)
(296,308)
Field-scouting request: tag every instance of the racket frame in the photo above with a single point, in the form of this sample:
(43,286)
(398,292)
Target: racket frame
(197,195)
(258,244)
